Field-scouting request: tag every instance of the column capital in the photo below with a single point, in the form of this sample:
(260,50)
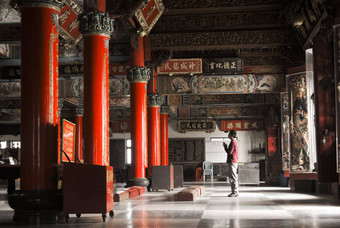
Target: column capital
(138,74)
(79,111)
(95,23)
(155,100)
(165,109)
(53,4)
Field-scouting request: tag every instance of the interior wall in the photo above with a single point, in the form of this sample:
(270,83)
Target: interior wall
(248,141)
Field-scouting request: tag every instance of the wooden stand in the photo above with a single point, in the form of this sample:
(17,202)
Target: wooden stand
(162,177)
(87,189)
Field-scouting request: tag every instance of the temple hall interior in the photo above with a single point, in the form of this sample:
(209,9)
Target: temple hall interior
(164,113)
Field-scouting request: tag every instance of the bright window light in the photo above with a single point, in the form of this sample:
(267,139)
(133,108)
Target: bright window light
(128,143)
(16,144)
(128,156)
(3,144)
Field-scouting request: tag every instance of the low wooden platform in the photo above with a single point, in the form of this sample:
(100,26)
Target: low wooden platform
(191,193)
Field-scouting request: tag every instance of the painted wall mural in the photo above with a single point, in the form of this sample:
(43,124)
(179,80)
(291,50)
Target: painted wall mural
(221,84)
(180,100)
(218,112)
(180,85)
(298,113)
(224,84)
(10,89)
(118,86)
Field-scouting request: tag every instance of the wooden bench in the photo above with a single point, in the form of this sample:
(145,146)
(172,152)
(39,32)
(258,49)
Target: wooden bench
(191,193)
(129,193)
(121,196)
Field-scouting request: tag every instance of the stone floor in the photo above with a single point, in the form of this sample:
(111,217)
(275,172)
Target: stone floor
(257,206)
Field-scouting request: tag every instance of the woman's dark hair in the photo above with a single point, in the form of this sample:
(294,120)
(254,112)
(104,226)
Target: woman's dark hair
(233,133)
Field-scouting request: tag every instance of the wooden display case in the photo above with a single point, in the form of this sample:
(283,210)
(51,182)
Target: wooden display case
(87,189)
(162,177)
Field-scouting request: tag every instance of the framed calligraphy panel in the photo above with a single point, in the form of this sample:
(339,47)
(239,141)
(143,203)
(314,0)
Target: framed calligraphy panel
(223,66)
(181,66)
(242,125)
(68,140)
(196,125)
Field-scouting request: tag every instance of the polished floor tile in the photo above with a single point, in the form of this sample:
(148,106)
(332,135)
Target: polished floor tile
(257,206)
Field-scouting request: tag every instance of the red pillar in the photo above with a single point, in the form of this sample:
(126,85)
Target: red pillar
(154,153)
(96,27)
(39,115)
(138,76)
(164,135)
(79,134)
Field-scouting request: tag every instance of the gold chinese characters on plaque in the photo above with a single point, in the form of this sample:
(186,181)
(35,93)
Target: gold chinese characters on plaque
(208,126)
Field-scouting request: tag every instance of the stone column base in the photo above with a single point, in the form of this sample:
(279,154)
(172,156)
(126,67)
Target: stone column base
(143,182)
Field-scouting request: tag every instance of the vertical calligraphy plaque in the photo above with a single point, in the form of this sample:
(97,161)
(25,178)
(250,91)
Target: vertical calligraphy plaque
(68,140)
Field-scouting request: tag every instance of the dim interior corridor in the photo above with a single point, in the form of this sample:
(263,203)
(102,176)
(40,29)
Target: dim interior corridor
(257,206)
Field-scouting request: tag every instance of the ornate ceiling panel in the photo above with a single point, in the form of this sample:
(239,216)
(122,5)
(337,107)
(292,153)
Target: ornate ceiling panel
(224,40)
(183,4)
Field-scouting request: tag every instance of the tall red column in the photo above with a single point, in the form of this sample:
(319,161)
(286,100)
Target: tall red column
(164,110)
(96,28)
(154,152)
(138,76)
(79,134)
(38,200)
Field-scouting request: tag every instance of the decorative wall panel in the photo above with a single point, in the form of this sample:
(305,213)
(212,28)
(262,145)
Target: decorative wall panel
(186,150)
(10,72)
(10,89)
(238,111)
(285,140)
(218,21)
(336,32)
(223,40)
(298,117)
(4,51)
(119,101)
(183,112)
(75,87)
(10,104)
(11,115)
(120,126)
(222,84)
(223,99)
(214,3)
